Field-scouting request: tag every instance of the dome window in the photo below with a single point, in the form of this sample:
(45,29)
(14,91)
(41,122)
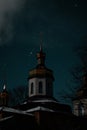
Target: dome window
(32,88)
(40,87)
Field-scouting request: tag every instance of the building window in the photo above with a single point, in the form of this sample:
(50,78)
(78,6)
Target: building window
(40,87)
(32,88)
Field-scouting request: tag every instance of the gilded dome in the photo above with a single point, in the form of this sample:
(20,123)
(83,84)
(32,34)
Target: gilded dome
(41,70)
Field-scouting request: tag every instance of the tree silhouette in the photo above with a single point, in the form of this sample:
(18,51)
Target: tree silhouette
(77,73)
(17,95)
(81,69)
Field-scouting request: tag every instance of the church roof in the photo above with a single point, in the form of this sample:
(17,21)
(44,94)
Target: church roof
(14,111)
(45,109)
(39,108)
(44,102)
(6,118)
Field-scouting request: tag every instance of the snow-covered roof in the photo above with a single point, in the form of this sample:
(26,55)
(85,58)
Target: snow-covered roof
(6,118)
(12,110)
(40,108)
(41,100)
(45,100)
(24,102)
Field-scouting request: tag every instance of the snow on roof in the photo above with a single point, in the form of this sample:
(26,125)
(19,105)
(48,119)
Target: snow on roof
(40,100)
(40,108)
(24,102)
(12,110)
(6,118)
(45,100)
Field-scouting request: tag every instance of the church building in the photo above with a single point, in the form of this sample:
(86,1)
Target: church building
(41,110)
(80,101)
(80,104)
(48,112)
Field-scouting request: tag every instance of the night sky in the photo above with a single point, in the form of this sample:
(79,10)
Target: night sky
(63,25)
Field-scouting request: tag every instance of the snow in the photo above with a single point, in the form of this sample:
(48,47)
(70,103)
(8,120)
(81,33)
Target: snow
(6,118)
(45,100)
(12,110)
(40,108)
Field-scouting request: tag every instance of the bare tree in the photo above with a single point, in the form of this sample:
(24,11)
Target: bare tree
(81,69)
(77,73)
(17,95)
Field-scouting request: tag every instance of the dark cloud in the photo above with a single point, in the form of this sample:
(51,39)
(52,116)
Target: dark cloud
(7,9)
(23,20)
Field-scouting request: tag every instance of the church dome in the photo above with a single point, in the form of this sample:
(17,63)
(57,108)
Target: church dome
(41,70)
(40,78)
